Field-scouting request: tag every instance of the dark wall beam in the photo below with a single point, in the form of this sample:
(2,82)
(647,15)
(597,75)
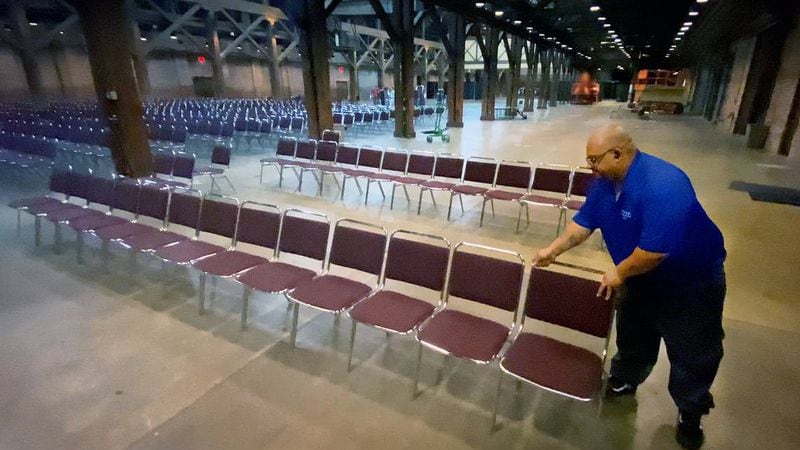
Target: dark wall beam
(110,58)
(26,47)
(385,19)
(456,37)
(490,75)
(316,66)
(404,67)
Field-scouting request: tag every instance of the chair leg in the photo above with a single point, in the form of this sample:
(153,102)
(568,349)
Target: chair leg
(344,180)
(300,179)
(366,196)
(280,177)
(461,200)
(321,182)
(450,206)
(492,202)
(245,304)
(419,202)
(416,371)
(19,221)
(405,189)
(527,213)
(79,249)
(229,183)
(497,399)
(352,343)
(202,300)
(37,233)
(519,216)
(261,175)
(483,208)
(380,186)
(293,335)
(433,197)
(57,237)
(391,202)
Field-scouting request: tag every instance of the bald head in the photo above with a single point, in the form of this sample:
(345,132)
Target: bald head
(610,136)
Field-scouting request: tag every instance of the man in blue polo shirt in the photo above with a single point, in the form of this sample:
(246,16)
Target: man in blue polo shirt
(669,269)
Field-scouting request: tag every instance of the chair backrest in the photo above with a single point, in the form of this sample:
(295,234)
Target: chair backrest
(218,215)
(395,160)
(221,155)
(306,149)
(101,190)
(332,135)
(184,207)
(479,169)
(286,146)
(421,163)
(358,245)
(347,154)
(569,301)
(370,157)
(259,224)
(582,180)
(126,194)
(326,151)
(414,258)
(153,201)
(304,233)
(551,178)
(163,162)
(60,179)
(184,165)
(489,280)
(449,165)
(266,127)
(514,174)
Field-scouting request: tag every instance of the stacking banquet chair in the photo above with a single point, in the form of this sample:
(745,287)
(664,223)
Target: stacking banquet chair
(448,166)
(220,161)
(393,166)
(582,179)
(332,135)
(414,258)
(304,155)
(125,198)
(163,162)
(355,245)
(183,169)
(302,233)
(571,302)
(479,170)
(420,170)
(549,188)
(257,224)
(346,155)
(493,281)
(368,157)
(323,162)
(514,175)
(284,154)
(218,216)
(183,209)
(60,184)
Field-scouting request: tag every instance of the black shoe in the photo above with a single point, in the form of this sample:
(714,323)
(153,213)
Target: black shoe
(618,388)
(689,433)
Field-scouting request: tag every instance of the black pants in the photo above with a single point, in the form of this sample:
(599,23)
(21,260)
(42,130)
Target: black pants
(688,316)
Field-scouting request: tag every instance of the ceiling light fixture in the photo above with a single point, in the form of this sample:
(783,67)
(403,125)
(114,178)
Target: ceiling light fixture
(601,19)
(33,24)
(678,38)
(702,1)
(479,4)
(693,13)
(499,13)
(173,36)
(606,25)
(684,28)
(687,24)
(594,8)
(143,39)
(517,22)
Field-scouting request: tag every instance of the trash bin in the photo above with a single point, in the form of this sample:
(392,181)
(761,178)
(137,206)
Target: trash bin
(757,135)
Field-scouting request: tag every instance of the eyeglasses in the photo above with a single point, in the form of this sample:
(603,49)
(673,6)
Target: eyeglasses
(594,160)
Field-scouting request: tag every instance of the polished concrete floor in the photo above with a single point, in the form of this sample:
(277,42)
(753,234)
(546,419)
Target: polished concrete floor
(115,355)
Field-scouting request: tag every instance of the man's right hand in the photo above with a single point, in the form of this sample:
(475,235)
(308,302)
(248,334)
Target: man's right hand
(544,257)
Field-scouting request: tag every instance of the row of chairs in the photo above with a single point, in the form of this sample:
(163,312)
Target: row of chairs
(417,279)
(25,151)
(180,167)
(520,182)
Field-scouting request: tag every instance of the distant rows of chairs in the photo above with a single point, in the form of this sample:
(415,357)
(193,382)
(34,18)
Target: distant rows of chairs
(418,279)
(521,182)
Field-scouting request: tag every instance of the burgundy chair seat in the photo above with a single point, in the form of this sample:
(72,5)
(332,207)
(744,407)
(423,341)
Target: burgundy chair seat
(547,362)
(69,214)
(392,311)
(46,208)
(173,183)
(382,177)
(433,184)
(123,230)
(302,164)
(94,222)
(574,204)
(497,194)
(328,168)
(187,251)
(32,201)
(279,161)
(208,170)
(152,240)
(275,277)
(542,200)
(409,180)
(330,292)
(468,189)
(357,173)
(228,263)
(465,335)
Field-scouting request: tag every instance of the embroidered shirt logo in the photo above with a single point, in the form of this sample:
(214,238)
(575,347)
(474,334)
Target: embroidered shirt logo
(625,214)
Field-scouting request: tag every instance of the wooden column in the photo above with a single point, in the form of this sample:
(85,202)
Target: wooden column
(514,52)
(456,30)
(403,41)
(274,64)
(110,57)
(316,69)
(27,51)
(490,75)
(531,55)
(212,37)
(139,61)
(553,91)
(382,65)
(354,86)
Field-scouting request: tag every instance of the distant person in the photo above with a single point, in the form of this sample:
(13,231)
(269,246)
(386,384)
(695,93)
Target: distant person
(669,269)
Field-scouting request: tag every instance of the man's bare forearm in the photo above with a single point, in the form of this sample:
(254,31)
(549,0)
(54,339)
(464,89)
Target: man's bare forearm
(572,236)
(639,262)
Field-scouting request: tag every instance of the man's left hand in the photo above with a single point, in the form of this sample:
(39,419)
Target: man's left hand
(610,283)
